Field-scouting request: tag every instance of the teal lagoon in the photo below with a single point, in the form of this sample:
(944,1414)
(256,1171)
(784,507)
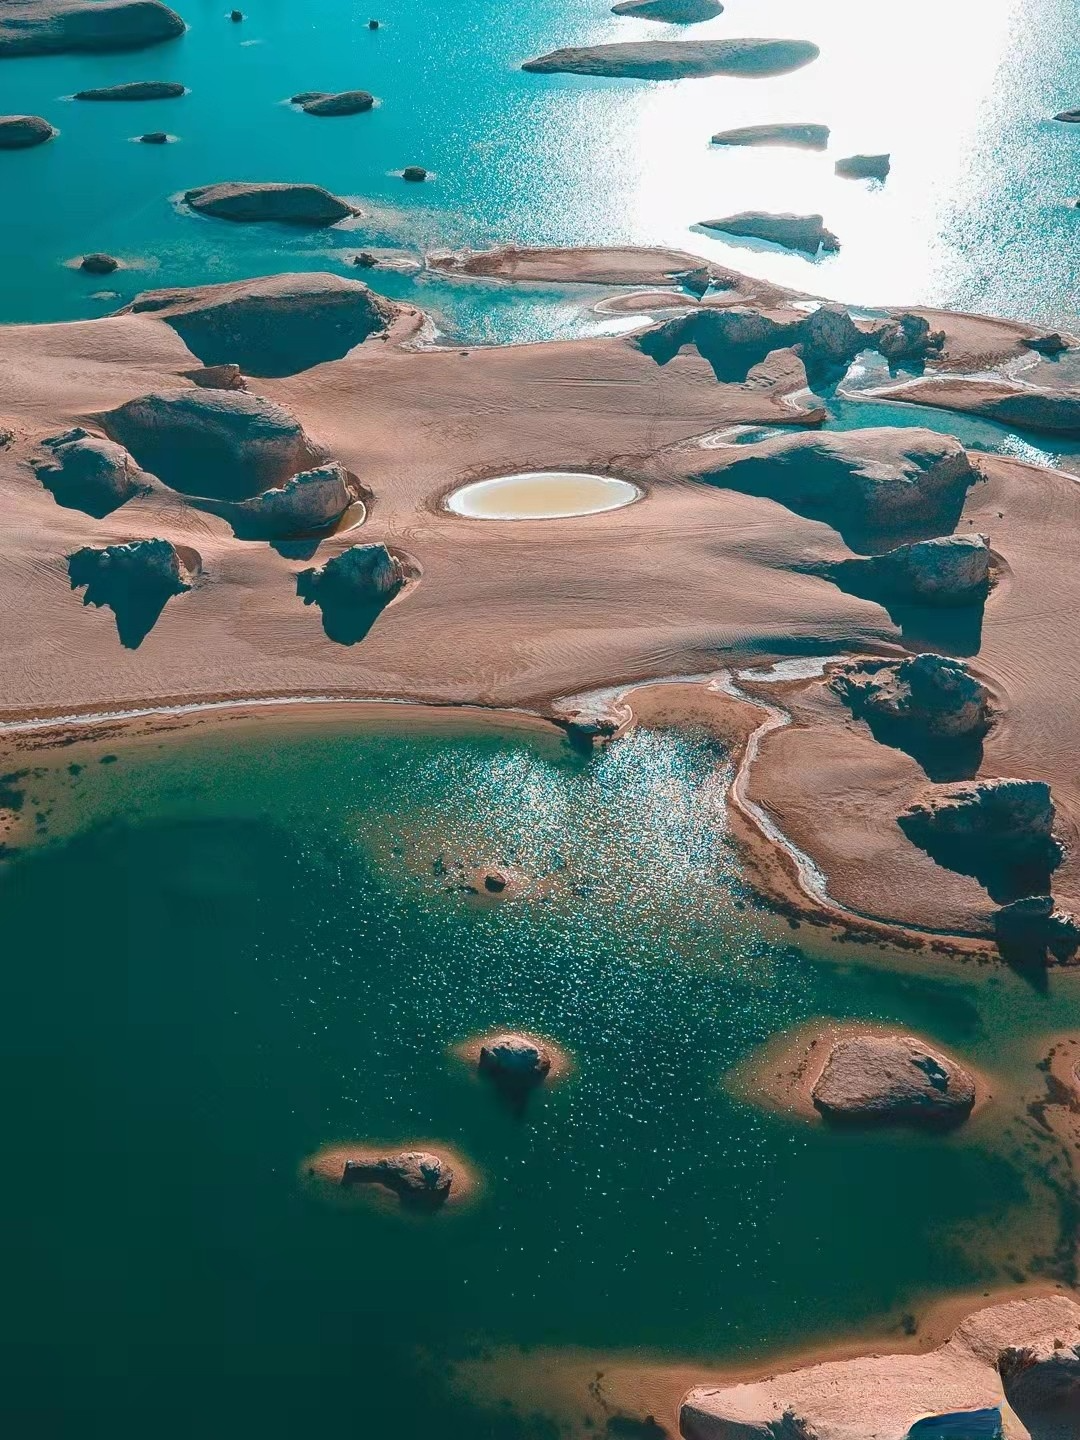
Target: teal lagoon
(226,951)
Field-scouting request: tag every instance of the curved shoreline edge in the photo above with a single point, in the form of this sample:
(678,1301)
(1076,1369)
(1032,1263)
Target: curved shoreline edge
(784,877)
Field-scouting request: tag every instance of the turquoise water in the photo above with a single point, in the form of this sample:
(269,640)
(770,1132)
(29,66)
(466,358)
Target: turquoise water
(975,213)
(226,952)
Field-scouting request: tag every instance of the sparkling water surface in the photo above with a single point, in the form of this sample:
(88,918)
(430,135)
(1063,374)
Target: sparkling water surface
(976,213)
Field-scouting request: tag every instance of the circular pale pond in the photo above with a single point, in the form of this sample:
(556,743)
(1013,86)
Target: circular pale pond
(541,495)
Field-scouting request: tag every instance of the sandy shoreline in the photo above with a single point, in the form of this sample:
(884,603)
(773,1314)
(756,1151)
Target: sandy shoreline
(697,578)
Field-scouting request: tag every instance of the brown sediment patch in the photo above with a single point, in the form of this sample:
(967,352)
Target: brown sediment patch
(581,1391)
(561,1064)
(323,1170)
(782,1074)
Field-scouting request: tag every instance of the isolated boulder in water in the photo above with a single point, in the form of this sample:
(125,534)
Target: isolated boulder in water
(275,325)
(864,167)
(931,694)
(1036,924)
(1012,816)
(794,232)
(345,102)
(135,90)
(362,575)
(892,1077)
(271,201)
(21,132)
(670,12)
(948,570)
(417,1177)
(99,264)
(309,502)
(678,59)
(514,1061)
(907,338)
(56,27)
(154,137)
(803,137)
(225,444)
(87,472)
(1071,117)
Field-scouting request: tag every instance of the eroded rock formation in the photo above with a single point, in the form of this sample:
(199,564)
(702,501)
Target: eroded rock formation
(22,132)
(515,1062)
(930,694)
(274,325)
(253,202)
(344,102)
(55,27)
(224,444)
(305,504)
(134,90)
(873,1078)
(670,12)
(802,137)
(907,339)
(87,472)
(134,580)
(1024,1351)
(1010,815)
(419,1178)
(360,575)
(678,59)
(794,232)
(946,570)
(864,167)
(1024,407)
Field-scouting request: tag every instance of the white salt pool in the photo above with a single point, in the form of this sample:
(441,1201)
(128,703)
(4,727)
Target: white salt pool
(541,495)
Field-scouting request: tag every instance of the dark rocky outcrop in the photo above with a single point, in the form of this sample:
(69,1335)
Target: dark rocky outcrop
(86,472)
(134,580)
(352,589)
(276,325)
(236,16)
(1070,117)
(419,1178)
(253,202)
(907,339)
(930,694)
(99,264)
(304,505)
(22,132)
(794,232)
(999,831)
(864,167)
(514,1062)
(224,444)
(862,482)
(1030,927)
(414,173)
(1052,343)
(365,260)
(678,59)
(802,137)
(135,90)
(734,339)
(154,137)
(947,570)
(670,12)
(344,102)
(875,1078)
(56,27)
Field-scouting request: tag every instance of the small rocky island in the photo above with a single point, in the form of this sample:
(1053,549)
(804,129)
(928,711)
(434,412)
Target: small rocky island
(677,59)
(255,203)
(874,1078)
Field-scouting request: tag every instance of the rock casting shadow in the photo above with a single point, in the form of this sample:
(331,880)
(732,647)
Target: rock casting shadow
(946,629)
(1004,875)
(345,620)
(942,759)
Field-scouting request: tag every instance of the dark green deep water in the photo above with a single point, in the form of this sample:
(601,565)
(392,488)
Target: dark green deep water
(224,952)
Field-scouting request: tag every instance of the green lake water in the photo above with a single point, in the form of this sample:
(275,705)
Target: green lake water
(224,952)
